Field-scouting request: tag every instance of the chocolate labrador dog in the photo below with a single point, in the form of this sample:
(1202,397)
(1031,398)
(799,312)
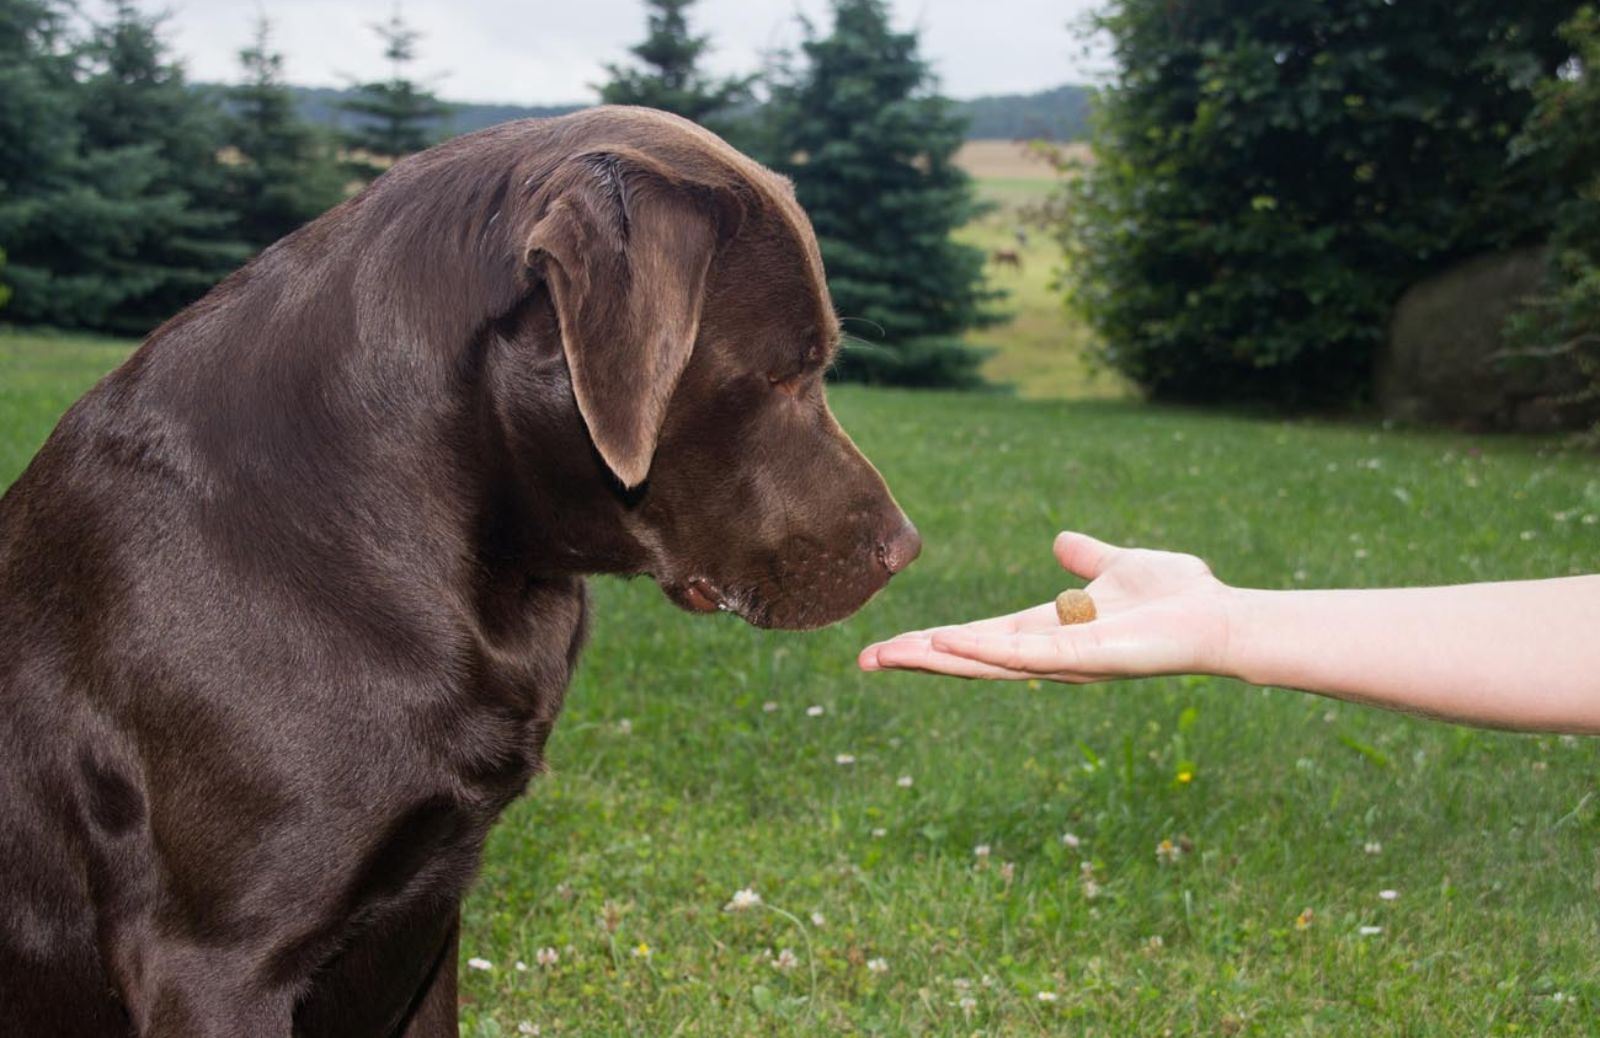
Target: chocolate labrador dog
(289,601)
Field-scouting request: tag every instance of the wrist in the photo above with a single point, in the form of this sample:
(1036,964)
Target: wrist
(1243,612)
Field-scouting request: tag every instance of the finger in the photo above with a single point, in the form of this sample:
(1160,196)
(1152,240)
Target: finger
(921,656)
(1034,618)
(1083,555)
(1037,654)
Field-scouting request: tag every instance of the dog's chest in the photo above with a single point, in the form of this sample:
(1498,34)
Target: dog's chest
(513,684)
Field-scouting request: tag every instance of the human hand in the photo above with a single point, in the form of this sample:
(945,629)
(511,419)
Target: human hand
(1159,612)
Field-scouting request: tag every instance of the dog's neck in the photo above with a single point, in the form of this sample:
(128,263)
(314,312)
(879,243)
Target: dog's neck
(387,417)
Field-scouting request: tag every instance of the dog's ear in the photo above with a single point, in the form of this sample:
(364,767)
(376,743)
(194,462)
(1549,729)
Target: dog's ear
(624,248)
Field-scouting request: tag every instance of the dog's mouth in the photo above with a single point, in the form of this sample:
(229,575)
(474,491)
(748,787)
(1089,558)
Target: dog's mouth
(702,596)
(698,595)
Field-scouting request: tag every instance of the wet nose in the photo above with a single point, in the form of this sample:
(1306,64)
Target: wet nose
(900,548)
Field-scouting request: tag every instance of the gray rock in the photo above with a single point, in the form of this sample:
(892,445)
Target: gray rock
(1442,360)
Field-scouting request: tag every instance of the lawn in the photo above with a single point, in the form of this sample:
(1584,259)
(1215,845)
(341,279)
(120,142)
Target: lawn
(698,757)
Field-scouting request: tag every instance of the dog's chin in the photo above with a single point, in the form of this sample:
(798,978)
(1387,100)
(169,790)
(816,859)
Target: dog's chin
(789,609)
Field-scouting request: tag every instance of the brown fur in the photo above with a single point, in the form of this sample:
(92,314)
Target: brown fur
(289,602)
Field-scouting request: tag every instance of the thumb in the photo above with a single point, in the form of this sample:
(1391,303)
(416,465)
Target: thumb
(1083,555)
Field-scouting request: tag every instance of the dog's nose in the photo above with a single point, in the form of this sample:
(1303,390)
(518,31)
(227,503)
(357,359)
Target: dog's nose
(900,548)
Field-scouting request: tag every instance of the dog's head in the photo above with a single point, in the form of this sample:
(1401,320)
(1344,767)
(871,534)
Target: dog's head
(695,327)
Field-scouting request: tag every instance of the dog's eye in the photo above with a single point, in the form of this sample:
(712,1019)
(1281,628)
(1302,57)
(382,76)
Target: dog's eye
(787,384)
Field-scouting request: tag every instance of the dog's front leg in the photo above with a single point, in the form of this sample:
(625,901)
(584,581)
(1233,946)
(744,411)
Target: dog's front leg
(434,1015)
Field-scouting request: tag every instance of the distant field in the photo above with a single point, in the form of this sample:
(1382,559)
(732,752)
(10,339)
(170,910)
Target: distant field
(1042,351)
(1008,160)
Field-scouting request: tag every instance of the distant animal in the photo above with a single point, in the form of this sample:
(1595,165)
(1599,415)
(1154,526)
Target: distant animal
(289,601)
(1007,258)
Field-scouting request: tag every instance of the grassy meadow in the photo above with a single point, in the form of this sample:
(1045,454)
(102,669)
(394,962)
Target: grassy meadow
(934,857)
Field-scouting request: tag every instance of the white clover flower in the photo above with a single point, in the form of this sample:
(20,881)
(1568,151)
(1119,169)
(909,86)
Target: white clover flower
(547,956)
(479,964)
(624,727)
(818,920)
(878,965)
(1370,931)
(1389,895)
(769,707)
(1071,840)
(785,961)
(1046,996)
(522,967)
(815,711)
(527,1028)
(981,851)
(967,1003)
(961,983)
(742,899)
(879,833)
(845,758)
(1008,871)
(1373,847)
(904,781)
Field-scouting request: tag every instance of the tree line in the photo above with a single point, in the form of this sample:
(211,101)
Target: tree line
(126,192)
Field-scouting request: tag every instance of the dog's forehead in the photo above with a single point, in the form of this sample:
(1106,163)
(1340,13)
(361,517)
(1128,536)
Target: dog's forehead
(702,155)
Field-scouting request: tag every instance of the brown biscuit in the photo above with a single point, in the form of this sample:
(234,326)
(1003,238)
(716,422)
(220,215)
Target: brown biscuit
(1074,607)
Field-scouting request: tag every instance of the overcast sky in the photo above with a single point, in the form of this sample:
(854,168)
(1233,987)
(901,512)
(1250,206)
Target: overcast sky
(549,51)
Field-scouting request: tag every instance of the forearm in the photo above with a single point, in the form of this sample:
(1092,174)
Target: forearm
(1511,655)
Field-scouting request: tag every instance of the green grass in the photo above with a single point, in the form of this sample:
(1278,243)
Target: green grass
(644,830)
(40,376)
(1039,350)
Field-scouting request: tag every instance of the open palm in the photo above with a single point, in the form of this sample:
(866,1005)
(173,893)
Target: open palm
(1159,613)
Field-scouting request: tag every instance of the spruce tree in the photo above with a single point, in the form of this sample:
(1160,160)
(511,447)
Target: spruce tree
(58,225)
(670,78)
(870,145)
(149,142)
(285,172)
(397,116)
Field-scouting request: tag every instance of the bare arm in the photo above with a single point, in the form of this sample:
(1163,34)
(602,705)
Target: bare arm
(1513,655)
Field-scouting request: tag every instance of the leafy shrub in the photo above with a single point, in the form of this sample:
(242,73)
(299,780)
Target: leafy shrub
(1270,177)
(1562,142)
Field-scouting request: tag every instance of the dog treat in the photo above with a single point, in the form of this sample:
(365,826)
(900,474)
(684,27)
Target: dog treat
(1074,607)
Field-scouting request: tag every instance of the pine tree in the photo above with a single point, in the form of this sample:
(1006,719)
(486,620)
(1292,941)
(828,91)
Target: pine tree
(285,171)
(54,224)
(870,147)
(670,79)
(397,116)
(150,142)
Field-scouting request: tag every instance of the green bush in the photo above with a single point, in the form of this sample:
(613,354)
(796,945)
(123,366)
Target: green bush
(1270,177)
(1562,143)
